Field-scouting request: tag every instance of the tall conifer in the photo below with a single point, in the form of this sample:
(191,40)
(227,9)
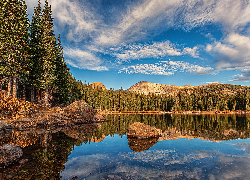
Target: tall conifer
(43,50)
(13,43)
(36,50)
(62,83)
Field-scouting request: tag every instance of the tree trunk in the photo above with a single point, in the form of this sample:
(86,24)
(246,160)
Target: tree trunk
(38,96)
(14,89)
(45,97)
(24,89)
(32,94)
(9,87)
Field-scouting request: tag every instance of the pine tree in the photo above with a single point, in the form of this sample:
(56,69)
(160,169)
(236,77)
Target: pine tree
(43,50)
(13,43)
(48,60)
(36,51)
(62,83)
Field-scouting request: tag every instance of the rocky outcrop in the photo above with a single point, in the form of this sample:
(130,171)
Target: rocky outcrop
(9,154)
(76,113)
(98,85)
(156,88)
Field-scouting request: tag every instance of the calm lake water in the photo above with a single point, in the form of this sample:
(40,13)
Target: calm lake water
(191,147)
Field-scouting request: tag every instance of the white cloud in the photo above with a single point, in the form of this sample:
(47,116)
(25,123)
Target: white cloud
(155,50)
(212,82)
(83,59)
(159,15)
(191,51)
(233,53)
(141,19)
(166,68)
(245,76)
(79,21)
(83,22)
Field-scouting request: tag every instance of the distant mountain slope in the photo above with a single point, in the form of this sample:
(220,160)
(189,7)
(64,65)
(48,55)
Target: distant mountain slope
(98,85)
(156,88)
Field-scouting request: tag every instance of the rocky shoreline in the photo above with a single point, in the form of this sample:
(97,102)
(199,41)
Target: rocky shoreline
(69,119)
(76,113)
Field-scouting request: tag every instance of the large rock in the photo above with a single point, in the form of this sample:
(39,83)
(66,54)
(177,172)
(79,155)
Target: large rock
(80,112)
(9,154)
(98,85)
(141,131)
(4,126)
(141,136)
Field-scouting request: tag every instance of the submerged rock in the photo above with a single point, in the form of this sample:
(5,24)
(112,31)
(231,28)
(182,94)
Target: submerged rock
(9,154)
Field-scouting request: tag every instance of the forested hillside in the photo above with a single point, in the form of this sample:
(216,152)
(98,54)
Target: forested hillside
(214,97)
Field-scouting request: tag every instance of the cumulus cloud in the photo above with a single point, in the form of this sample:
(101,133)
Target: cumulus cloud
(84,22)
(83,59)
(233,53)
(245,76)
(145,18)
(166,68)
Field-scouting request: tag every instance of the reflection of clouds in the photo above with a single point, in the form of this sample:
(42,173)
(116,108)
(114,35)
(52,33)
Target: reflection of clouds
(82,166)
(149,155)
(244,146)
(160,164)
(231,167)
(168,157)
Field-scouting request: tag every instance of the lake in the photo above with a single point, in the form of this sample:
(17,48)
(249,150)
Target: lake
(191,147)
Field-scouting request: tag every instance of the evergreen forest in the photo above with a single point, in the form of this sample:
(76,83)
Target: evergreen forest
(32,68)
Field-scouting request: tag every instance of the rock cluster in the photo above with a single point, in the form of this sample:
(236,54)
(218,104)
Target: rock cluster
(76,113)
(9,154)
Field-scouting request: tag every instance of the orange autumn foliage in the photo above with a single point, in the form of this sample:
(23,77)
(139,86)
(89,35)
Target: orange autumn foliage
(13,108)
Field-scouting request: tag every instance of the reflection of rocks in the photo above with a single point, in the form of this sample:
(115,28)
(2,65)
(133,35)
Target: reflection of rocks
(42,136)
(139,145)
(96,139)
(141,131)
(80,132)
(9,154)
(173,134)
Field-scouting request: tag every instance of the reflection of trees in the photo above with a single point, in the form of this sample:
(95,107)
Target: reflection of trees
(47,150)
(212,127)
(45,159)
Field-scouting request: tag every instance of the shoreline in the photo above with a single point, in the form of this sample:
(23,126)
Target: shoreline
(240,112)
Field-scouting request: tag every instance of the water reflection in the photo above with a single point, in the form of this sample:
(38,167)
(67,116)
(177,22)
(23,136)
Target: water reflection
(190,147)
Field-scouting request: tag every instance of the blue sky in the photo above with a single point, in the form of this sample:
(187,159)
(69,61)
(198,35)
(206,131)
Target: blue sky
(173,42)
